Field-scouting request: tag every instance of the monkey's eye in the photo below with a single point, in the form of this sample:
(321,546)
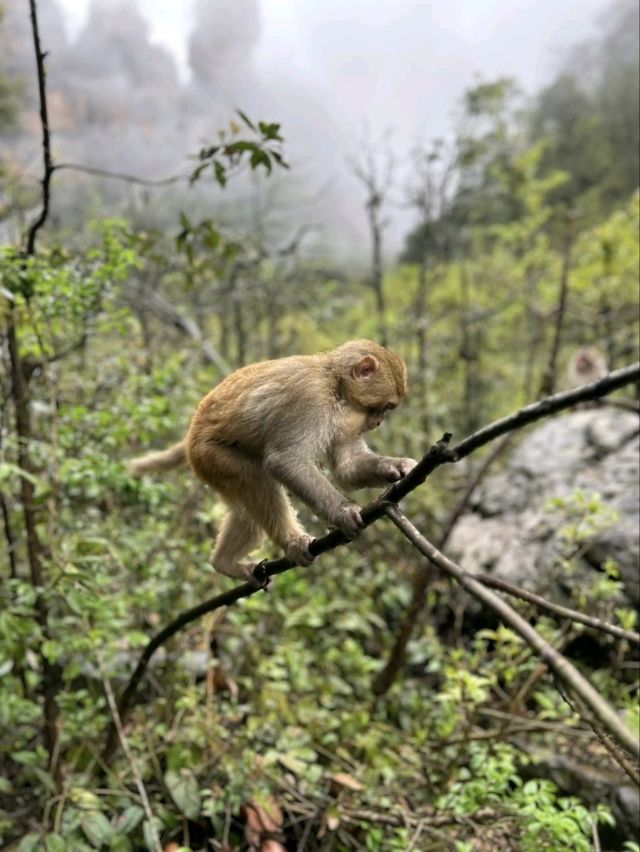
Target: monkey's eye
(390,406)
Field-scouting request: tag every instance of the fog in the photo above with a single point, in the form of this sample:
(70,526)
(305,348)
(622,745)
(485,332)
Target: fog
(136,87)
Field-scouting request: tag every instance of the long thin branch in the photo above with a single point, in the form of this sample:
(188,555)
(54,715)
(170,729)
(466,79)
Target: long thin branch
(424,573)
(560,665)
(529,414)
(548,383)
(20,394)
(142,790)
(121,176)
(46,136)
(187,325)
(9,538)
(556,609)
(33,364)
(438,454)
(614,751)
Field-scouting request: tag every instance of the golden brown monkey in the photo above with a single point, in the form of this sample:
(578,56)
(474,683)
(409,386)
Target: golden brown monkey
(270,427)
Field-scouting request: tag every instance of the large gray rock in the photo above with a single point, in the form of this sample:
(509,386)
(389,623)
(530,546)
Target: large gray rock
(512,532)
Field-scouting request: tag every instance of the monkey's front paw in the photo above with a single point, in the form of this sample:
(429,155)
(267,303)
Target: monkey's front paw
(405,466)
(348,519)
(297,550)
(395,469)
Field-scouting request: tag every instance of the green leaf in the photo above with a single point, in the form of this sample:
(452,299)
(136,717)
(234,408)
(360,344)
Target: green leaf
(97,828)
(294,764)
(25,758)
(220,173)
(129,819)
(55,843)
(270,130)
(147,830)
(246,120)
(260,158)
(29,842)
(46,779)
(184,791)
(52,650)
(120,843)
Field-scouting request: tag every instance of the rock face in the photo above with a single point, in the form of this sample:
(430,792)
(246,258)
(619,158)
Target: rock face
(513,532)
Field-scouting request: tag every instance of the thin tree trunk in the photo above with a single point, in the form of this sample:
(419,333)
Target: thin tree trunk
(549,379)
(376,270)
(421,307)
(35,549)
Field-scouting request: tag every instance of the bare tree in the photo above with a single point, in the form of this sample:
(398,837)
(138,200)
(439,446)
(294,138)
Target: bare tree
(374,168)
(549,378)
(20,375)
(429,193)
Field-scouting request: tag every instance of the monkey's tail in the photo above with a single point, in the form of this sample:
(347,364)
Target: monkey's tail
(156,462)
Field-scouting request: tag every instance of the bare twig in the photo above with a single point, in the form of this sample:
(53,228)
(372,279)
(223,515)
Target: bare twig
(614,751)
(133,766)
(46,136)
(33,364)
(121,176)
(20,395)
(556,609)
(560,665)
(187,325)
(9,538)
(376,179)
(548,383)
(423,577)
(594,833)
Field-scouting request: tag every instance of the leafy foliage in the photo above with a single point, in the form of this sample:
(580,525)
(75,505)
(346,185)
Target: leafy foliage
(262,151)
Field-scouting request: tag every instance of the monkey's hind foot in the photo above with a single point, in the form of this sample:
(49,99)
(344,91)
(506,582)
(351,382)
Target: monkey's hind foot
(259,577)
(297,550)
(235,570)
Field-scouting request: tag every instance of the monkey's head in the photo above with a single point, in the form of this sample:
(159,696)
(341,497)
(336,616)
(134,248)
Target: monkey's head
(371,378)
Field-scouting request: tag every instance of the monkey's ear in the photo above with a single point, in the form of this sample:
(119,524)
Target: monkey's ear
(366,366)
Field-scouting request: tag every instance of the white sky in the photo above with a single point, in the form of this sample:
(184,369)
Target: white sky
(507,32)
(391,62)
(380,64)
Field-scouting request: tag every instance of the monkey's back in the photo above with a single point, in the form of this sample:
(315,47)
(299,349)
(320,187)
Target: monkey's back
(265,404)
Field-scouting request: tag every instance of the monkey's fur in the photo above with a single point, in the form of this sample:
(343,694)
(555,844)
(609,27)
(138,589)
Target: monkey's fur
(270,426)
(587,365)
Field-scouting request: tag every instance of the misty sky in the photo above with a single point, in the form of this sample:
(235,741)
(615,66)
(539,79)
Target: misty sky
(397,63)
(328,69)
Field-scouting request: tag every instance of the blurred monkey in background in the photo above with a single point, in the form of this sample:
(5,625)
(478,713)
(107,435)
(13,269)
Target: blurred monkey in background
(587,365)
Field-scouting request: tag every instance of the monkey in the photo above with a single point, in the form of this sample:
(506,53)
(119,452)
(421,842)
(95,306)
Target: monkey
(268,429)
(587,365)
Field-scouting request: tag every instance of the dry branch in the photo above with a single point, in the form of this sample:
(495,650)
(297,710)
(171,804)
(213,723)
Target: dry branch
(556,609)
(438,454)
(46,136)
(560,665)
(423,575)
(94,171)
(21,398)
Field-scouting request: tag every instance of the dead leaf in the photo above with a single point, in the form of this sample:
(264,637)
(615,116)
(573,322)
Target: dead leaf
(343,779)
